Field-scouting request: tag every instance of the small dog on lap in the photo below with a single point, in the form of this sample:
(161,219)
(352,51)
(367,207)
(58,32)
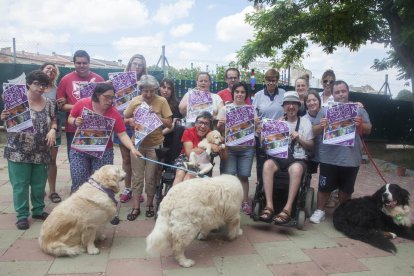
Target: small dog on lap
(194,208)
(378,218)
(73,226)
(201,162)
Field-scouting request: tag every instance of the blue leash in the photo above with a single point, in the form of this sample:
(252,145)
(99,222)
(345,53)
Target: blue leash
(174,167)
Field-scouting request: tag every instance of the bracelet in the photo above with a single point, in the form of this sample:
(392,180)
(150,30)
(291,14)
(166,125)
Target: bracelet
(54,128)
(74,122)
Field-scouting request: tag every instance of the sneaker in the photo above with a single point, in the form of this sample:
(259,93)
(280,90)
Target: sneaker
(126,195)
(317,216)
(246,208)
(141,198)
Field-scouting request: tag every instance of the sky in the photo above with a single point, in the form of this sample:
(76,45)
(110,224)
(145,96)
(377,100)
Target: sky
(193,31)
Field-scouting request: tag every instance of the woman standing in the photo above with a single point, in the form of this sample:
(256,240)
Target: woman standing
(328,78)
(28,154)
(203,81)
(52,71)
(167,91)
(142,169)
(83,165)
(240,158)
(138,64)
(302,87)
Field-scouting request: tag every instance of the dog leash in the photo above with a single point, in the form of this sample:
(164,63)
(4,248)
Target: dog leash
(372,161)
(174,167)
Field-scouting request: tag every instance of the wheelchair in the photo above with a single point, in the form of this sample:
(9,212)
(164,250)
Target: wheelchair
(303,205)
(167,155)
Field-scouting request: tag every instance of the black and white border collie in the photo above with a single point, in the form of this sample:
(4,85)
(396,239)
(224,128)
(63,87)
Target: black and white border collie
(378,218)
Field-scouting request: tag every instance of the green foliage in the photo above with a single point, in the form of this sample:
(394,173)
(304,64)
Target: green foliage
(284,29)
(405,95)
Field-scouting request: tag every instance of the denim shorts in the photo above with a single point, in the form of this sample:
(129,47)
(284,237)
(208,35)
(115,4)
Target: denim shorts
(239,161)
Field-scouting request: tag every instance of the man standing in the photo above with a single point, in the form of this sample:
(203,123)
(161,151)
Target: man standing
(339,165)
(69,87)
(232,75)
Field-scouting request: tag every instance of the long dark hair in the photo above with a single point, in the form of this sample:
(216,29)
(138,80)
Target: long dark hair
(172,101)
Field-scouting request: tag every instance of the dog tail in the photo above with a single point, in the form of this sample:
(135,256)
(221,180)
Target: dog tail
(373,237)
(159,239)
(60,249)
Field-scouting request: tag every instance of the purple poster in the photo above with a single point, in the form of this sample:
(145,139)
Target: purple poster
(341,127)
(239,125)
(275,138)
(93,135)
(16,102)
(197,102)
(125,84)
(145,123)
(86,89)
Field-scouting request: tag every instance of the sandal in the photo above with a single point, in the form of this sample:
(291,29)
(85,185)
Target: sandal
(149,213)
(55,198)
(133,214)
(267,215)
(282,218)
(22,224)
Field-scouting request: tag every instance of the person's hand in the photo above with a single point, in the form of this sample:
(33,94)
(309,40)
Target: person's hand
(358,121)
(216,148)
(221,122)
(324,122)
(61,102)
(4,114)
(51,137)
(78,121)
(294,135)
(135,152)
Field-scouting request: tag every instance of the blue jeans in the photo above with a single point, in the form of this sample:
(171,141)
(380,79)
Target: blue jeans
(239,161)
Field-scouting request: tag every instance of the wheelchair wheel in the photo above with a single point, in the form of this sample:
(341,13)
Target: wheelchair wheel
(301,220)
(256,211)
(309,202)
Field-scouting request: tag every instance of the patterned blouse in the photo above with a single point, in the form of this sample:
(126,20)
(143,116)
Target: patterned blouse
(32,147)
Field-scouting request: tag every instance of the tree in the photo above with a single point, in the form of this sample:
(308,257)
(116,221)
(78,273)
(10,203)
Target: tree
(404,95)
(289,26)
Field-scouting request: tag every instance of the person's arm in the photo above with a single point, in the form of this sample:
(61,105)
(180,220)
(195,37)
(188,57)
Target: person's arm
(318,128)
(51,135)
(126,141)
(182,107)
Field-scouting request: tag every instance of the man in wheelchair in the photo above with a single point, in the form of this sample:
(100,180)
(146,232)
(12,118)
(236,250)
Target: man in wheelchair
(301,137)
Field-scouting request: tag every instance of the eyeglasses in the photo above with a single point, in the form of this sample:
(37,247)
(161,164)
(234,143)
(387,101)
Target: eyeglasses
(205,124)
(328,81)
(109,97)
(233,78)
(148,91)
(271,81)
(38,84)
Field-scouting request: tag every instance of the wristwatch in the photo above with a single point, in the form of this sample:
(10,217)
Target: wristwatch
(54,128)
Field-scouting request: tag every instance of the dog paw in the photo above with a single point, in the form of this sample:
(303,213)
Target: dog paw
(240,232)
(186,263)
(93,251)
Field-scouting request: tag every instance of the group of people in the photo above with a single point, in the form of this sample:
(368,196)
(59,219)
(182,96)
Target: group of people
(32,156)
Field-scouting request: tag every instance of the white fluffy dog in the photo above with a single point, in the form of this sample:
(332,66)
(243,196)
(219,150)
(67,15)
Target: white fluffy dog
(74,224)
(193,207)
(202,161)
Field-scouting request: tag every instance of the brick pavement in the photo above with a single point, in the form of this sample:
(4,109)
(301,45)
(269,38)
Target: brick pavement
(262,249)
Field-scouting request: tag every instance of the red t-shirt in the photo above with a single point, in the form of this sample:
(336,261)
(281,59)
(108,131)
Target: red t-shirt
(111,113)
(190,135)
(68,88)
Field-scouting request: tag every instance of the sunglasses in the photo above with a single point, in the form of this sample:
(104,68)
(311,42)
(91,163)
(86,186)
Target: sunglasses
(328,81)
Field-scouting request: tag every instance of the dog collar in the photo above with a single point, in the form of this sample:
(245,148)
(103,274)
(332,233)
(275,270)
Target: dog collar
(109,192)
(399,217)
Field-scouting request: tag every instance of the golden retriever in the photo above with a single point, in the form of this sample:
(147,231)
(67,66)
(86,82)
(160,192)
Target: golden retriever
(196,206)
(202,161)
(74,224)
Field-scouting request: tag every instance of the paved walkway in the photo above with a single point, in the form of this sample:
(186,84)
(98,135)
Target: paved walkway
(262,249)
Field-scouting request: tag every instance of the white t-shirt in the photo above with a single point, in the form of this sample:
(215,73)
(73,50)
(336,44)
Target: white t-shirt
(305,133)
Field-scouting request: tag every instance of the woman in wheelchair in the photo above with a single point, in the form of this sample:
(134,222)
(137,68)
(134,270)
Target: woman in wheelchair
(301,137)
(190,139)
